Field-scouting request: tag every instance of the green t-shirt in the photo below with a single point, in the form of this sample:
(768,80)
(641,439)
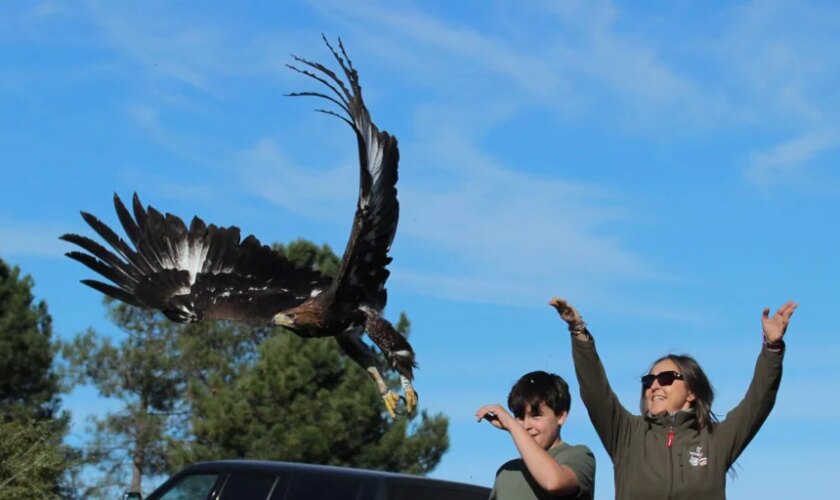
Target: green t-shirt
(514,482)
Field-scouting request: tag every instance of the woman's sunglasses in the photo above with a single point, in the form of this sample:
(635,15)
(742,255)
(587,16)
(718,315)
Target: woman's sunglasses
(664,378)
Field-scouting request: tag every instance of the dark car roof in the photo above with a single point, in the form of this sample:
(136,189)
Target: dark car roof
(293,467)
(266,465)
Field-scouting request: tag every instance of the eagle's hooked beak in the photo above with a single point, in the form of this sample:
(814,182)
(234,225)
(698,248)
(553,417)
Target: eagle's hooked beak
(283,319)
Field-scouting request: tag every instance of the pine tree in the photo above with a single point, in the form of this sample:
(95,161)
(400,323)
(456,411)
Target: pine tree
(29,386)
(142,372)
(33,459)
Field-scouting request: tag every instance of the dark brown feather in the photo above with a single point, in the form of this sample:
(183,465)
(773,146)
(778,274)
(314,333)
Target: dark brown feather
(362,274)
(204,272)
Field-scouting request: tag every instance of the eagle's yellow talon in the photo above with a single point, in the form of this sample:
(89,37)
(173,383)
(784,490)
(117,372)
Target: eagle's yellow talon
(410,400)
(391,401)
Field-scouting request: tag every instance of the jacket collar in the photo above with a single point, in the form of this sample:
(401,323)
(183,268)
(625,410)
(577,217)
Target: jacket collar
(681,420)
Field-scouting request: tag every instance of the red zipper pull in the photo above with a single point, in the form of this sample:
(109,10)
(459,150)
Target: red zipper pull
(670,437)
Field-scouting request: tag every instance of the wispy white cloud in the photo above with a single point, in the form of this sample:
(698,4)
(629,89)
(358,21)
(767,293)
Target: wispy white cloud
(36,22)
(462,70)
(600,52)
(511,237)
(269,173)
(147,118)
(199,50)
(785,159)
(190,53)
(777,61)
(195,149)
(567,72)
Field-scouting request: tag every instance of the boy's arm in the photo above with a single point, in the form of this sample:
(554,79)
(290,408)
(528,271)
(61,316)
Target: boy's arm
(553,477)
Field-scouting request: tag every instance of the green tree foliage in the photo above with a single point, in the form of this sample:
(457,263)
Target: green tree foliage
(31,459)
(300,399)
(29,386)
(143,373)
(306,254)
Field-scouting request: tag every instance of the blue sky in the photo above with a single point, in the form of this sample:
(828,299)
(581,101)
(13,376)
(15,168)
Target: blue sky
(671,169)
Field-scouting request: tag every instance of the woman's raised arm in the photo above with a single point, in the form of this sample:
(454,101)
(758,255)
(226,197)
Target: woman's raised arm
(611,420)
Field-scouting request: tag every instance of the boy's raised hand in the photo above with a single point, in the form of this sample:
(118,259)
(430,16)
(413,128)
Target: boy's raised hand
(496,415)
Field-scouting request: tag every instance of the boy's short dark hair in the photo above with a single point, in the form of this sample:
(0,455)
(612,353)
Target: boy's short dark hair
(536,388)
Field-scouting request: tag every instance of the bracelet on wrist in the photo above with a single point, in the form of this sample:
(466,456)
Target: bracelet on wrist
(578,329)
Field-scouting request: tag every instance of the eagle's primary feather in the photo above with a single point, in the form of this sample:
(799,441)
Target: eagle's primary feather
(205,272)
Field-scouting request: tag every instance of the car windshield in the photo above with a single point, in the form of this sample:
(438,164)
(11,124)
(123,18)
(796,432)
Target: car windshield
(192,487)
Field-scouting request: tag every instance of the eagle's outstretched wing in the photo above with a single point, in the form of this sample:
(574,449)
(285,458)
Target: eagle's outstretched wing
(362,275)
(191,274)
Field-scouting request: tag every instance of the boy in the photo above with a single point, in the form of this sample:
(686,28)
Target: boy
(549,468)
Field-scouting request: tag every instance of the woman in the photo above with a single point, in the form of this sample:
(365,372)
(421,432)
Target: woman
(677,448)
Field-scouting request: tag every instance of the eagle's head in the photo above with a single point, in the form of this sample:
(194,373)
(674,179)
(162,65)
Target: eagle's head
(304,320)
(284,319)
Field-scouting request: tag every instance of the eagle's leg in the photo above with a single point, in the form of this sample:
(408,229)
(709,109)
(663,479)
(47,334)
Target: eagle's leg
(391,400)
(397,350)
(351,343)
(410,394)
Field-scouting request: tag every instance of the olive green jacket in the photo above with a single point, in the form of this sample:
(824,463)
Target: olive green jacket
(666,456)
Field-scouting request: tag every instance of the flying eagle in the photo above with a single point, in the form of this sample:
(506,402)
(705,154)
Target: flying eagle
(206,272)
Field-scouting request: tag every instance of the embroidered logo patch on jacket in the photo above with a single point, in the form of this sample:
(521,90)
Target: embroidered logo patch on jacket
(696,457)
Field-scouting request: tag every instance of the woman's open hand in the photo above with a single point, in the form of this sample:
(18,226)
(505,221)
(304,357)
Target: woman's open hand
(774,327)
(568,313)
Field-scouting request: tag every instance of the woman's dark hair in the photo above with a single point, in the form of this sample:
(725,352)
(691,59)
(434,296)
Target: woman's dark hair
(535,388)
(696,382)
